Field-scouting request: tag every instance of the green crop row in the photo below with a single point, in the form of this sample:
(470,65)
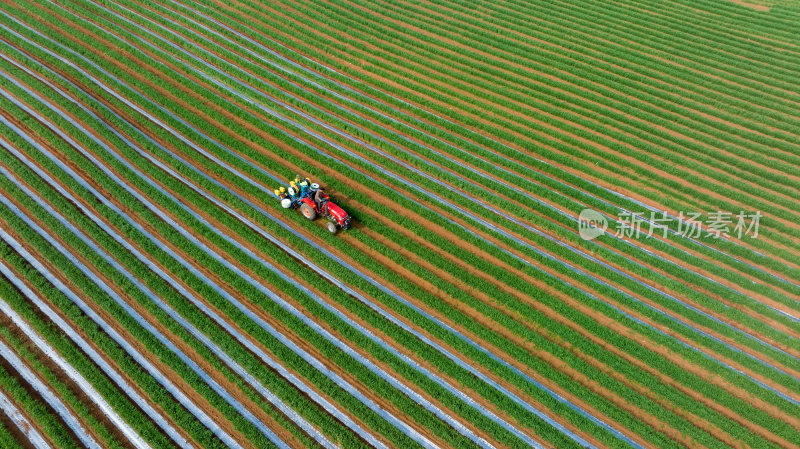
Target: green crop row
(754,323)
(34,406)
(647,160)
(751,255)
(726,99)
(429,24)
(70,352)
(69,397)
(7,432)
(708,265)
(724,61)
(771,28)
(690,292)
(609,50)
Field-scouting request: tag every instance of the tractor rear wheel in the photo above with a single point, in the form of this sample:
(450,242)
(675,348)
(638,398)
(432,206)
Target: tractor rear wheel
(308,211)
(332,227)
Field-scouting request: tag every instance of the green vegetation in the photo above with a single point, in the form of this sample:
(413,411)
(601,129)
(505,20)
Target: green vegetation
(464,138)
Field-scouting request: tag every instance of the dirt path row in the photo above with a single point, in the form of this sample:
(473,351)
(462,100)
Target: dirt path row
(633,275)
(133,340)
(517,174)
(81,396)
(626,192)
(20,436)
(533,119)
(384,403)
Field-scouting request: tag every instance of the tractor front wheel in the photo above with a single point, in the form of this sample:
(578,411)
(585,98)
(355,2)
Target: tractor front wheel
(308,211)
(332,227)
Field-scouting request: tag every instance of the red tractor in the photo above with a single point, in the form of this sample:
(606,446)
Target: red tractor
(315,202)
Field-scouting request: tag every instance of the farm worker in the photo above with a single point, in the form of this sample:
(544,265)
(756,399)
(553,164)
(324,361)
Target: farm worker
(299,180)
(304,185)
(281,193)
(321,199)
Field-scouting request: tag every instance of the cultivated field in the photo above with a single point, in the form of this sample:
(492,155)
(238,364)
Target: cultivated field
(154,294)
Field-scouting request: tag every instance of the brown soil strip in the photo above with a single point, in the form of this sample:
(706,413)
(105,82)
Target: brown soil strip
(753,6)
(21,438)
(613,188)
(523,206)
(186,388)
(290,334)
(82,398)
(623,155)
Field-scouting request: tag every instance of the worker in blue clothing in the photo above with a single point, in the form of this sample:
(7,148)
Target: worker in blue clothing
(304,184)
